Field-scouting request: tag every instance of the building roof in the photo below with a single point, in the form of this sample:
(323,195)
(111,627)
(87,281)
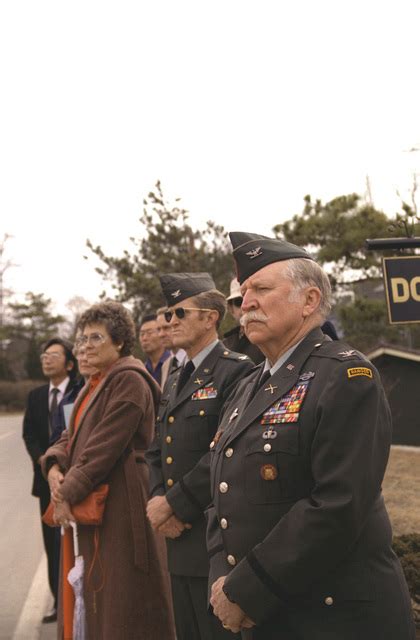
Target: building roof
(395,351)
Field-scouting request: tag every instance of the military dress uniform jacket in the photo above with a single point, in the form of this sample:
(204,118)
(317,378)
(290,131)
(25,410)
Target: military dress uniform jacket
(298,523)
(236,340)
(185,427)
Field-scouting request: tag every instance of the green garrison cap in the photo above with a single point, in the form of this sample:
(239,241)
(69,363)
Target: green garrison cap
(177,287)
(252,252)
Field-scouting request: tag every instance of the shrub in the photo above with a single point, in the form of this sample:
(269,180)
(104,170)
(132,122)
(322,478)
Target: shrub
(407,548)
(13,394)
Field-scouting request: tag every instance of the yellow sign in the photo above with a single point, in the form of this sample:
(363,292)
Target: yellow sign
(402,287)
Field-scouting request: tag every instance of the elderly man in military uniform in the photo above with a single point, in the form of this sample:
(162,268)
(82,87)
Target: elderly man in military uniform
(298,534)
(178,458)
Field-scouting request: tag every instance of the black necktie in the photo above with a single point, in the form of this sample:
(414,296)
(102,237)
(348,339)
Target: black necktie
(54,403)
(185,375)
(262,379)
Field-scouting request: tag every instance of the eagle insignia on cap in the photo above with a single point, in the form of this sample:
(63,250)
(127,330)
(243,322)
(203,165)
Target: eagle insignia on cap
(254,253)
(176,294)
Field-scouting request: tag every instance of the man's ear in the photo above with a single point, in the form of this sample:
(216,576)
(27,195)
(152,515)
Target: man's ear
(312,301)
(214,315)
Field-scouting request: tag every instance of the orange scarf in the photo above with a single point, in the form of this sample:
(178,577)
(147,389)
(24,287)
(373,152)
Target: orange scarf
(67,539)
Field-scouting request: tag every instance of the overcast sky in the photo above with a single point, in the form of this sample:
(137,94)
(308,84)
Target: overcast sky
(240,108)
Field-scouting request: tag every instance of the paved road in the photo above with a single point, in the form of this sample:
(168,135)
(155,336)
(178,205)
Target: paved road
(21,549)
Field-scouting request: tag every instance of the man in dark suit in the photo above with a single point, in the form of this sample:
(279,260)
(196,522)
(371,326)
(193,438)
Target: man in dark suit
(187,421)
(299,537)
(58,365)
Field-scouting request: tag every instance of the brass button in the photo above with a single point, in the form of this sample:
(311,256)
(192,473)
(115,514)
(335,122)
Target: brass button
(231,560)
(212,443)
(267,447)
(168,439)
(169,460)
(223,487)
(225,353)
(329,601)
(229,452)
(224,523)
(170,482)
(171,419)
(202,412)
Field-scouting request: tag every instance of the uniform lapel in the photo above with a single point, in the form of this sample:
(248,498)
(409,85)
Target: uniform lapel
(281,382)
(199,378)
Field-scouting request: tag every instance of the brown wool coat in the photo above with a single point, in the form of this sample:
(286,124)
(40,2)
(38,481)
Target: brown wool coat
(114,430)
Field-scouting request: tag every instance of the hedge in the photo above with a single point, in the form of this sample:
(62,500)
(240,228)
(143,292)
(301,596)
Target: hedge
(13,394)
(407,548)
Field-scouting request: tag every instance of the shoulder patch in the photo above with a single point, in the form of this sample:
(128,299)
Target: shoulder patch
(354,372)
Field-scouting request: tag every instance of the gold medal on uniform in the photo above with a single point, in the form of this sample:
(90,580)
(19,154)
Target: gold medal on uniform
(268,472)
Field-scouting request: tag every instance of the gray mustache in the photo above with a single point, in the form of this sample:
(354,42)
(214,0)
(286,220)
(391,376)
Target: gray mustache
(252,315)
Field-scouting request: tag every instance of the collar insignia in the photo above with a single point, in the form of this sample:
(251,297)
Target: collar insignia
(348,353)
(254,253)
(176,294)
(270,388)
(290,367)
(234,414)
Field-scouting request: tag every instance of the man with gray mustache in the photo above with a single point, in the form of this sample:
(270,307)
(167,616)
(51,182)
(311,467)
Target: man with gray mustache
(298,534)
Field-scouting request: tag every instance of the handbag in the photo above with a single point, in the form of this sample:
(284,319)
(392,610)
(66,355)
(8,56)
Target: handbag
(89,511)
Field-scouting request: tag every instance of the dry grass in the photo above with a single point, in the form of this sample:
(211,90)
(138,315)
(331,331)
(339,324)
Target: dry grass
(401,490)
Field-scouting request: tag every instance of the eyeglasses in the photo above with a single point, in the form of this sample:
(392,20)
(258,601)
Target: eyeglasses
(237,302)
(180,312)
(148,332)
(47,356)
(95,339)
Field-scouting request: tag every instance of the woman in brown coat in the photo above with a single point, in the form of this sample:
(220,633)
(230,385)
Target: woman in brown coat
(126,588)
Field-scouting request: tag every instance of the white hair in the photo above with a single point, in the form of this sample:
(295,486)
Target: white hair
(308,273)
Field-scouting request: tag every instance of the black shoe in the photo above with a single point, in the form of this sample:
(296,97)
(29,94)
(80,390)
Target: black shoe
(50,617)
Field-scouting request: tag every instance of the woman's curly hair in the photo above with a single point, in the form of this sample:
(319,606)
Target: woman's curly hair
(117,320)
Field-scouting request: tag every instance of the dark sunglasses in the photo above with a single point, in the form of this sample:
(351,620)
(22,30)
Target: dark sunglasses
(180,312)
(237,302)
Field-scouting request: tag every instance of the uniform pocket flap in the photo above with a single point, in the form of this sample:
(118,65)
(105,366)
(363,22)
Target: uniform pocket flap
(203,408)
(284,439)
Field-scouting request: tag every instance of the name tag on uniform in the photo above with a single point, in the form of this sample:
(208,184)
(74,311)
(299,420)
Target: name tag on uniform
(205,393)
(287,409)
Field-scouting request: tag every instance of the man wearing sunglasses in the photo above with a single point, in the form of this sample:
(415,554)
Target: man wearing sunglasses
(236,339)
(178,458)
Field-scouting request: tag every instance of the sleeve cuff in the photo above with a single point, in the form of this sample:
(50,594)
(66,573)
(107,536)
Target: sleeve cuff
(252,589)
(76,486)
(159,490)
(183,502)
